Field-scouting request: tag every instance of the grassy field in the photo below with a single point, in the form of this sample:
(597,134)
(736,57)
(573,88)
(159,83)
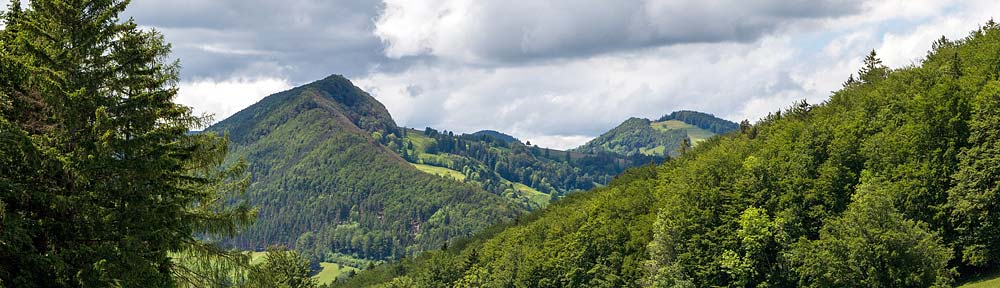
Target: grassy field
(328,273)
(420,142)
(533,194)
(440,171)
(257,257)
(991,281)
(331,271)
(658,150)
(696,134)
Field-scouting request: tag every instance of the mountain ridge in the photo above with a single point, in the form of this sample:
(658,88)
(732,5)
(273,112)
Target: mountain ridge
(323,183)
(664,137)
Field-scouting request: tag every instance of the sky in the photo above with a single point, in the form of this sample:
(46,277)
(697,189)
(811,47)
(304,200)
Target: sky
(554,72)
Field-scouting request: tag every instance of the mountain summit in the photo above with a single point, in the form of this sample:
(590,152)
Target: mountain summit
(664,137)
(323,183)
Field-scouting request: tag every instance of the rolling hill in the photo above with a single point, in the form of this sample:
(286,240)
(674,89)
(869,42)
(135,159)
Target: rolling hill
(664,137)
(527,175)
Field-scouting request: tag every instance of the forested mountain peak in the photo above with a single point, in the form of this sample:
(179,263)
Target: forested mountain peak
(497,135)
(666,136)
(326,186)
(702,120)
(334,94)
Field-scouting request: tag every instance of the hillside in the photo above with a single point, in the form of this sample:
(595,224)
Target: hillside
(323,184)
(701,120)
(665,137)
(892,182)
(498,136)
(527,175)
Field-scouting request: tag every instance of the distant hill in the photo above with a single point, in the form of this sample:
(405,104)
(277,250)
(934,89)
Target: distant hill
(323,184)
(665,137)
(497,135)
(527,175)
(702,120)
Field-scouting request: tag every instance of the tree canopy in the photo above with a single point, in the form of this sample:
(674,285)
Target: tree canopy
(100,179)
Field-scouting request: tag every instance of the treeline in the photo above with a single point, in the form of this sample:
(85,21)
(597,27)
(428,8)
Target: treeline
(702,120)
(633,137)
(892,182)
(488,160)
(591,239)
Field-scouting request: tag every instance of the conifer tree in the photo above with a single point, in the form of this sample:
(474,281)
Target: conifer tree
(115,181)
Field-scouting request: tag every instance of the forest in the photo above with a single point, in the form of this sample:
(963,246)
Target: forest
(891,182)
(106,182)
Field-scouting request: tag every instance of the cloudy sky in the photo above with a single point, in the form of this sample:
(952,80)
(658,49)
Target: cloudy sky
(556,72)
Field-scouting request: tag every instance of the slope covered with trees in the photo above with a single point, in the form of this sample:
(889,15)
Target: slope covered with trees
(324,185)
(498,136)
(668,136)
(511,168)
(889,183)
(702,120)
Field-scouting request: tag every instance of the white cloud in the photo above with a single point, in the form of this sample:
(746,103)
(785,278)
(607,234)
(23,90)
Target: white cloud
(226,97)
(555,72)
(513,30)
(909,47)
(561,103)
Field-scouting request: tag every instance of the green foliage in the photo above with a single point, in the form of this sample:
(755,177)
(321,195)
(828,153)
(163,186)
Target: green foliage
(594,239)
(634,135)
(889,183)
(324,185)
(100,178)
(669,136)
(498,136)
(907,128)
(702,120)
(873,245)
(498,164)
(975,199)
(282,268)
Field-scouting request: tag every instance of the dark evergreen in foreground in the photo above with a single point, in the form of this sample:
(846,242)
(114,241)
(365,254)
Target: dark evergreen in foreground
(99,180)
(889,183)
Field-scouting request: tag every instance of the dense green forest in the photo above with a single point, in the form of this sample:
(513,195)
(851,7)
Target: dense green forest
(498,163)
(323,185)
(892,182)
(498,136)
(668,136)
(702,120)
(100,181)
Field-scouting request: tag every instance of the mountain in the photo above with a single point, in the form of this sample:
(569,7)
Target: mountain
(497,135)
(665,137)
(325,186)
(527,175)
(896,172)
(702,120)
